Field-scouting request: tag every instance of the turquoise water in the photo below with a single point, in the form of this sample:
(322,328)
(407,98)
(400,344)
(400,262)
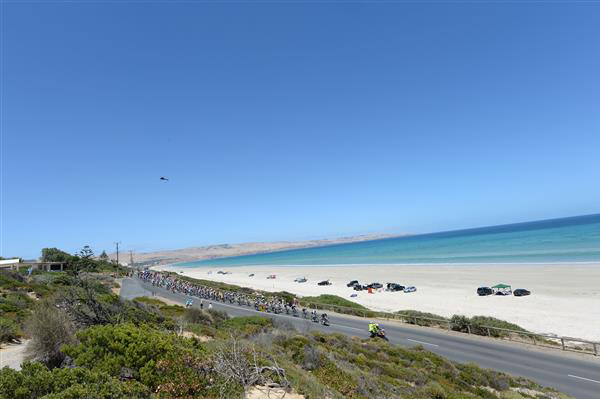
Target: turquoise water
(574,239)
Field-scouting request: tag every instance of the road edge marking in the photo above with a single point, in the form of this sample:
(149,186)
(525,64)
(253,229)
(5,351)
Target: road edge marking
(583,378)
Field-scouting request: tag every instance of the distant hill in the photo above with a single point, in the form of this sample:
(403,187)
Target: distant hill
(226,250)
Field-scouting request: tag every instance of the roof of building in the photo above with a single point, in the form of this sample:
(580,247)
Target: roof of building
(9,261)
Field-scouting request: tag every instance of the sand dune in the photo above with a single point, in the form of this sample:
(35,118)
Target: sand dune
(565,298)
(226,250)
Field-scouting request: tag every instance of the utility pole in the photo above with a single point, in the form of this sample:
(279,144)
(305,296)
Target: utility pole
(131,259)
(117,244)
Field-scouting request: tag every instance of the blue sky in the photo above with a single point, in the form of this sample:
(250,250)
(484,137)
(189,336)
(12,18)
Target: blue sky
(279,120)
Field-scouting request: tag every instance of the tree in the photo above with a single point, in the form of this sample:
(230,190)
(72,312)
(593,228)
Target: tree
(104,256)
(85,260)
(86,252)
(56,255)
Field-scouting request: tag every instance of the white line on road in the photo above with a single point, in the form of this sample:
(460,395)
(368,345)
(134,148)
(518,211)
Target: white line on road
(583,378)
(350,328)
(421,342)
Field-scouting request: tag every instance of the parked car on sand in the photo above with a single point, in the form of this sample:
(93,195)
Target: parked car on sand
(394,287)
(352,283)
(521,292)
(375,285)
(324,282)
(483,291)
(410,289)
(300,280)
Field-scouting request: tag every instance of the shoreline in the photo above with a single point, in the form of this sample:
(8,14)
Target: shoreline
(565,297)
(180,264)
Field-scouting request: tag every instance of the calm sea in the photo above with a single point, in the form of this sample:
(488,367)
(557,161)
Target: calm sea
(574,239)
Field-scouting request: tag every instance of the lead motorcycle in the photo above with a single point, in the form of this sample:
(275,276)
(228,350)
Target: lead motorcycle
(380,333)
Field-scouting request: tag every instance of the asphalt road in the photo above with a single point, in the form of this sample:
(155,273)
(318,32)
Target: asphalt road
(576,375)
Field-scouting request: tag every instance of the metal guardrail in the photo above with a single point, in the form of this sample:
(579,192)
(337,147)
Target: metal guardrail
(544,340)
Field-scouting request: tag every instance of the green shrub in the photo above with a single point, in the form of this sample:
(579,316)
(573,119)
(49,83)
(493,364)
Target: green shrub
(110,348)
(334,377)
(218,316)
(479,324)
(421,318)
(337,304)
(196,316)
(9,330)
(11,280)
(246,326)
(49,329)
(36,381)
(460,323)
(172,311)
(64,279)
(334,300)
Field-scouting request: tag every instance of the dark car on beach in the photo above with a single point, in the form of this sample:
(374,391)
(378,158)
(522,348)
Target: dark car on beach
(324,282)
(358,287)
(375,285)
(521,292)
(394,287)
(483,291)
(352,283)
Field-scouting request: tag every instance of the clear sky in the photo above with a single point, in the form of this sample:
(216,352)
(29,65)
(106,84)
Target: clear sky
(278,120)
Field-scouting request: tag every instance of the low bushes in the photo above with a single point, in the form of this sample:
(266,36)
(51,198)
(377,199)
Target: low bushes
(196,316)
(475,325)
(337,304)
(36,381)
(246,326)
(422,318)
(111,348)
(479,324)
(49,328)
(9,330)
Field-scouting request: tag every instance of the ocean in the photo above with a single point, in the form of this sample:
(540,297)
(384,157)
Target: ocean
(573,239)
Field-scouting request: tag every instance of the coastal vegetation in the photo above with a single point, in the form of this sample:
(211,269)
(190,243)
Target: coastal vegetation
(20,292)
(478,325)
(337,304)
(88,342)
(123,358)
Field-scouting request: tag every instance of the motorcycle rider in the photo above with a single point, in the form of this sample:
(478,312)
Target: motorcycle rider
(373,329)
(324,318)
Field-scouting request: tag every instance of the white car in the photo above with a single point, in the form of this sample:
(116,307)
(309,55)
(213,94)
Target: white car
(410,289)
(300,280)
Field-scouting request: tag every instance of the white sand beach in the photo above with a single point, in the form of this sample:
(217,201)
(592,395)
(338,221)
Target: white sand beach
(565,298)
